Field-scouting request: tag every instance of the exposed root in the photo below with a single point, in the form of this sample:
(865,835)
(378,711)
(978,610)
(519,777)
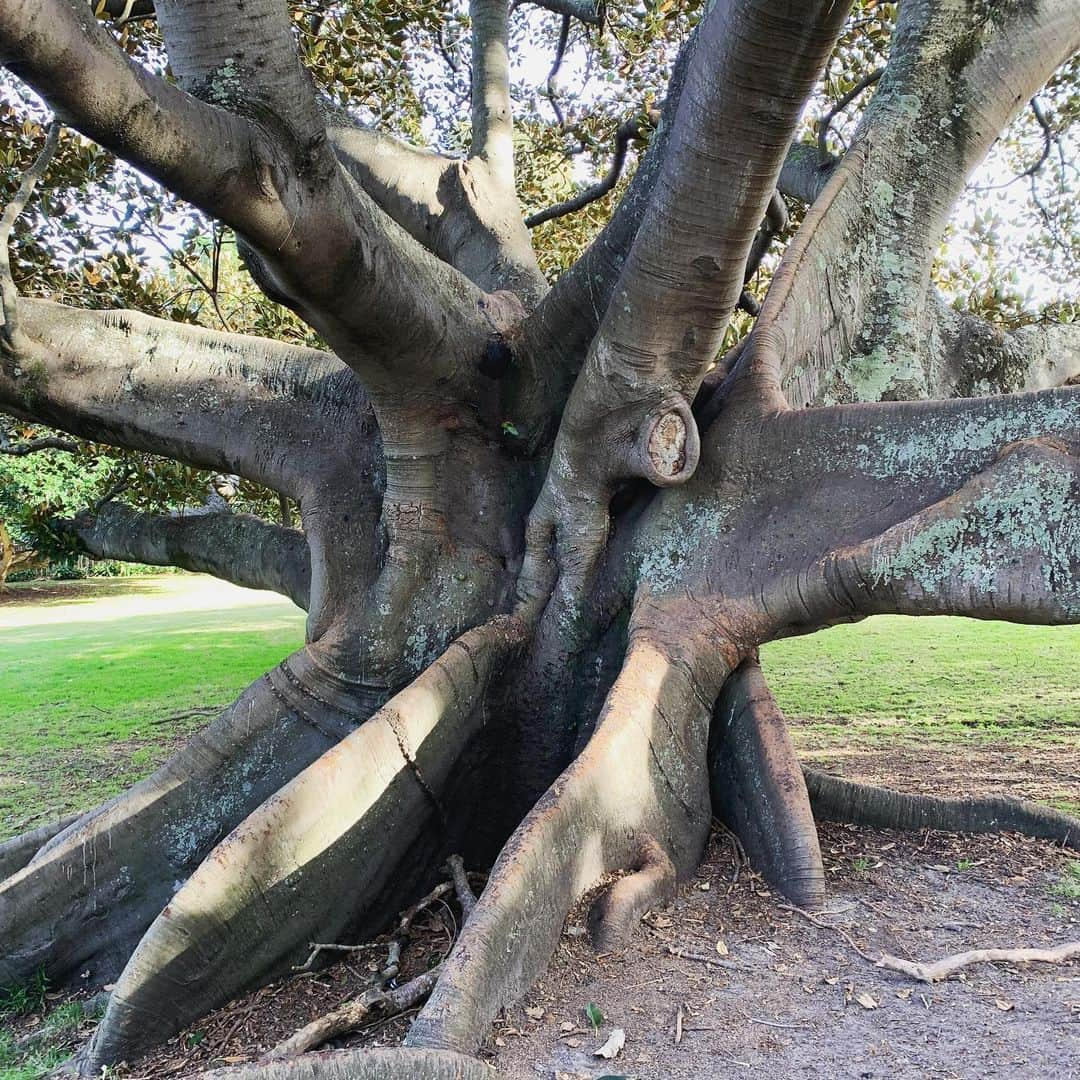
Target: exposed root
(758,789)
(466,897)
(390,1064)
(340,847)
(615,914)
(378,1001)
(85,898)
(835,799)
(19,850)
(942,969)
(641,774)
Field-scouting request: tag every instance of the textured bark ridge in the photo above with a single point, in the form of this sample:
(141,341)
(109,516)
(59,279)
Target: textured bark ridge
(543,532)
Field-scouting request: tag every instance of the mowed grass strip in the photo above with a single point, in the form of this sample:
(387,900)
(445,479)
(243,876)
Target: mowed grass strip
(96,698)
(88,706)
(932,678)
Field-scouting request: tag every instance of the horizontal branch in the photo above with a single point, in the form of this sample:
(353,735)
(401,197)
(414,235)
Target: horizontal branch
(1005,546)
(268,411)
(980,358)
(239,548)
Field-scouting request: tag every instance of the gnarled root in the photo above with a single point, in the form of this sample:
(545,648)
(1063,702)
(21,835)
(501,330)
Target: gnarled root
(641,775)
(618,910)
(19,850)
(85,898)
(758,789)
(835,799)
(382,1064)
(343,845)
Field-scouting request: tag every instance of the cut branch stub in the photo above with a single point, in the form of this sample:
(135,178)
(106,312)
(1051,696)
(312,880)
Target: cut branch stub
(758,789)
(668,447)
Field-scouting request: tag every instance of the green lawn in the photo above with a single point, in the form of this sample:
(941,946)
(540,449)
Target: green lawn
(932,678)
(85,702)
(91,685)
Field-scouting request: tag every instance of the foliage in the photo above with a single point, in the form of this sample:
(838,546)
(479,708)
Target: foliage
(27,998)
(98,234)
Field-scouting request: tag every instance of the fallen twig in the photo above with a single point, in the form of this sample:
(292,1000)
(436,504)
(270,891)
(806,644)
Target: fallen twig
(466,897)
(375,1002)
(942,969)
(810,917)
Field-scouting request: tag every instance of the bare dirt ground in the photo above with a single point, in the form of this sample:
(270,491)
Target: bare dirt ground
(782,996)
(790,997)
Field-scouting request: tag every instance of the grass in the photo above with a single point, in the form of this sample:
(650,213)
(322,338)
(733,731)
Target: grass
(51,1040)
(1069,886)
(91,692)
(85,702)
(939,679)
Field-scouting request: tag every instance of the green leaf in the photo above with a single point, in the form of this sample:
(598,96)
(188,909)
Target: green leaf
(596,1017)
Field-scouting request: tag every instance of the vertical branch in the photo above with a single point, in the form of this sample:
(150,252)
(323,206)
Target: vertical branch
(8,294)
(492,118)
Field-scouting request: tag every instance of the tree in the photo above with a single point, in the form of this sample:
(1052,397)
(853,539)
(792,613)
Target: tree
(544,528)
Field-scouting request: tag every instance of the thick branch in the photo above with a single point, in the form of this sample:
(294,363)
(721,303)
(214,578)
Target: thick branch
(980,358)
(492,116)
(236,547)
(629,414)
(205,154)
(324,244)
(247,60)
(853,323)
(226,402)
(564,324)
(1005,546)
(804,173)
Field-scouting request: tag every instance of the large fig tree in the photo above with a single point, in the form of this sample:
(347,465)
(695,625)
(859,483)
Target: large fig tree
(545,527)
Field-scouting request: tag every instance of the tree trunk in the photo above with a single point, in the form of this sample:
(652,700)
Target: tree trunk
(543,532)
